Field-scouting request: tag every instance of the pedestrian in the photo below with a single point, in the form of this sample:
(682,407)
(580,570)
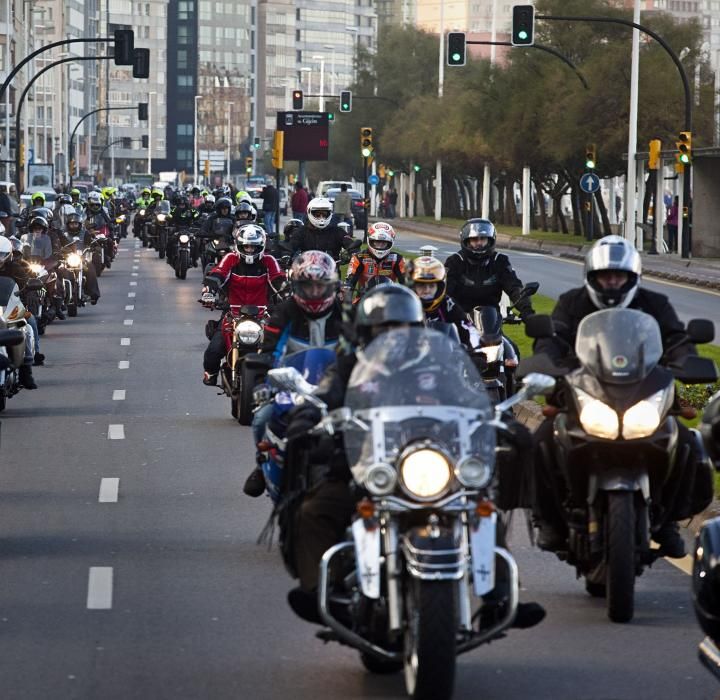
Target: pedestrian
(672,226)
(393,202)
(5,208)
(299,202)
(386,204)
(270,201)
(342,206)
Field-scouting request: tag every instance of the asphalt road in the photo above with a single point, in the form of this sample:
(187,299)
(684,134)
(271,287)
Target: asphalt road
(557,275)
(158,590)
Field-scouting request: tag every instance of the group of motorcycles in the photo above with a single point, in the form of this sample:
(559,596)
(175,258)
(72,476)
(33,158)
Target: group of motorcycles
(58,283)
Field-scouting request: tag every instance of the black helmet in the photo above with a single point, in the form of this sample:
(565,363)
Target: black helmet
(223,203)
(292,226)
(706,578)
(246,212)
(182,201)
(475,229)
(38,221)
(386,305)
(73,222)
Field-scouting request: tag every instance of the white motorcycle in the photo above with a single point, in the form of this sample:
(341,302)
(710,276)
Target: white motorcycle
(14,334)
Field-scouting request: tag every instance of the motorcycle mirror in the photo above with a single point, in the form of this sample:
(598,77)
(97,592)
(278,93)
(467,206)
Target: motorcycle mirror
(530,288)
(539,326)
(537,384)
(696,370)
(700,330)
(4,215)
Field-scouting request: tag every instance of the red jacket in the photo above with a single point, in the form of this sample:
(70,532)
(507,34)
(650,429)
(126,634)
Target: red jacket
(299,201)
(246,284)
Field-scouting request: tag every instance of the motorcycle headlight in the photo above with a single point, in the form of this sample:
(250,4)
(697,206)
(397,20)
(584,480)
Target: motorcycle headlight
(248,332)
(426,473)
(216,241)
(597,418)
(380,479)
(141,212)
(644,417)
(474,472)
(120,219)
(184,238)
(491,352)
(74,260)
(37,269)
(161,217)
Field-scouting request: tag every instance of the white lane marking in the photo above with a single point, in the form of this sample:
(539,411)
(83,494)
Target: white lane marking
(131,295)
(128,322)
(119,395)
(124,364)
(116,431)
(109,487)
(134,274)
(100,588)
(124,341)
(133,284)
(130,307)
(136,267)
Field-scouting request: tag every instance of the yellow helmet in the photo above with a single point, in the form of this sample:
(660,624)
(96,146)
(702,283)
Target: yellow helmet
(428,270)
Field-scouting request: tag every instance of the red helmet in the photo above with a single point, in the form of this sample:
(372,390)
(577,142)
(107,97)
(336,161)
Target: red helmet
(314,281)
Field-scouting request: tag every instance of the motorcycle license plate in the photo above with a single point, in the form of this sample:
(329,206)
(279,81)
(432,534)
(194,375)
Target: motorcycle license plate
(482,554)
(367,554)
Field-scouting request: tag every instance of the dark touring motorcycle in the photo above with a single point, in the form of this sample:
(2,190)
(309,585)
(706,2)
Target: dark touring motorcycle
(422,555)
(616,443)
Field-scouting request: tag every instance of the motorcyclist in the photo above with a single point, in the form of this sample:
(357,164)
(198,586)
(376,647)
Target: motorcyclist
(37,208)
(97,219)
(156,197)
(208,204)
(195,199)
(478,274)
(19,270)
(223,210)
(76,201)
(377,261)
(328,505)
(143,201)
(612,280)
(319,233)
(427,277)
(182,216)
(247,276)
(245,213)
(311,317)
(74,230)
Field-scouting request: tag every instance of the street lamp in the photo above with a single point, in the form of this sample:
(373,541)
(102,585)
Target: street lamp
(195,143)
(229,137)
(331,48)
(322,80)
(150,94)
(355,31)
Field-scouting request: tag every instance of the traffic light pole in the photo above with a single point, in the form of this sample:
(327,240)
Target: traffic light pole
(686,236)
(18,154)
(367,198)
(71,144)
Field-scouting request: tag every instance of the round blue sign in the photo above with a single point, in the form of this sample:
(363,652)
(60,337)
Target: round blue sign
(589,183)
(373,179)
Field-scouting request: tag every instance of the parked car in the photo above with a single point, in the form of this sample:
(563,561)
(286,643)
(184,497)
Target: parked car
(255,191)
(325,185)
(357,207)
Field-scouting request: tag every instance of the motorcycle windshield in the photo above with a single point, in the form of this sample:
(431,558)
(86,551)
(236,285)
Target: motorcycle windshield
(412,385)
(222,227)
(619,346)
(489,325)
(311,363)
(7,285)
(163,207)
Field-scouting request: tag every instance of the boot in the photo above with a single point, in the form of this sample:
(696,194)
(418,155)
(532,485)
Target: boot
(550,537)
(210,379)
(39,359)
(26,378)
(255,483)
(671,542)
(59,315)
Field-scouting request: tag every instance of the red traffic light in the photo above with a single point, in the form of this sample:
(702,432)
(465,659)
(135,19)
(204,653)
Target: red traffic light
(297,99)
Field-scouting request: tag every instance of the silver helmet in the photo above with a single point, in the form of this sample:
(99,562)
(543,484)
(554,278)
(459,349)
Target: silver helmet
(617,254)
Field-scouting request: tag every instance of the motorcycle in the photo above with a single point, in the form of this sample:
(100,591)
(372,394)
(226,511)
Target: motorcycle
(37,296)
(615,436)
(181,251)
(121,223)
(13,331)
(161,222)
(496,355)
(139,222)
(242,329)
(219,243)
(75,288)
(422,553)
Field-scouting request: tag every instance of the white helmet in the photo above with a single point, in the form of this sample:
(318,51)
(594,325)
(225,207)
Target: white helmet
(319,212)
(250,243)
(381,237)
(5,250)
(612,253)
(210,198)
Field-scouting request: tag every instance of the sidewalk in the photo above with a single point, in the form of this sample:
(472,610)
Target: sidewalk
(698,272)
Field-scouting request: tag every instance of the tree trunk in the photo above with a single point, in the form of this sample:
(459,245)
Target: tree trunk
(540,195)
(650,186)
(577,223)
(602,210)
(500,184)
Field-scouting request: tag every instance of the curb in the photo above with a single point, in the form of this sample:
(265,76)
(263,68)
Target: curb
(572,252)
(530,415)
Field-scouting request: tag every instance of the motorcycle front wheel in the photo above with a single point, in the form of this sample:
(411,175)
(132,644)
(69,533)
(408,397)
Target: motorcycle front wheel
(181,265)
(430,639)
(245,398)
(620,555)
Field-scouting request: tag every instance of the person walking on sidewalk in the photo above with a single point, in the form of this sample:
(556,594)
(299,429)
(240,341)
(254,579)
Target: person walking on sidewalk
(270,201)
(342,206)
(299,202)
(672,226)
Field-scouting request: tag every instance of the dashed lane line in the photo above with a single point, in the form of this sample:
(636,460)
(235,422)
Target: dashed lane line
(119,395)
(116,431)
(128,322)
(124,364)
(130,307)
(100,588)
(124,341)
(109,487)
(131,295)
(133,284)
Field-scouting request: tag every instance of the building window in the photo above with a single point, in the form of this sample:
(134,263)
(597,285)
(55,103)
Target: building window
(184,129)
(185,80)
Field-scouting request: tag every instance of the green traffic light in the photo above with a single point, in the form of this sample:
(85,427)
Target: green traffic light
(416,168)
(589,164)
(684,158)
(456,57)
(522,34)
(366,152)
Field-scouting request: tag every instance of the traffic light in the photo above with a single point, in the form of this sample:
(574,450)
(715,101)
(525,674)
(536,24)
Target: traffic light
(523,25)
(331,116)
(72,166)
(207,168)
(297,99)
(366,141)
(391,173)
(145,141)
(141,63)
(126,143)
(456,49)
(124,46)
(277,150)
(248,165)
(684,146)
(590,156)
(416,168)
(143,111)
(22,155)
(654,158)
(346,101)
(256,143)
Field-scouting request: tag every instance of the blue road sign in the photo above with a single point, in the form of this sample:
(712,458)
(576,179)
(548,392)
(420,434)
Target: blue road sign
(589,183)
(373,179)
